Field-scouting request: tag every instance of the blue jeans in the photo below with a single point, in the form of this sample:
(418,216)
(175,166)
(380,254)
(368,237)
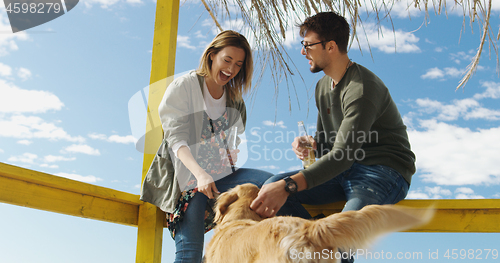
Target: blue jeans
(360,185)
(190,231)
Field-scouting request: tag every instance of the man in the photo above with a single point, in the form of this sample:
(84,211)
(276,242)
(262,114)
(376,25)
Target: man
(361,141)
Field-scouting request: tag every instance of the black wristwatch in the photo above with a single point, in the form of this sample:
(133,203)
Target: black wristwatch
(291,185)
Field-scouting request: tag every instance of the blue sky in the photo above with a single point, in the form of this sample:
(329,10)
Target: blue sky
(65,88)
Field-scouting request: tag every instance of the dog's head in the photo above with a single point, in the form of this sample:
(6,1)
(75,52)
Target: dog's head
(235,204)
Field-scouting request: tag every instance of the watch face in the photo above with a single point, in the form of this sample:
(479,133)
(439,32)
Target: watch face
(292,187)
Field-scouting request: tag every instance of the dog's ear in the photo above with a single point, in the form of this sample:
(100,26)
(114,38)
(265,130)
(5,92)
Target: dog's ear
(223,203)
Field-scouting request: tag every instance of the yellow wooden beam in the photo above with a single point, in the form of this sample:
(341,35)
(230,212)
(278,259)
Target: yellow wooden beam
(28,188)
(457,215)
(150,234)
(151,219)
(460,215)
(162,72)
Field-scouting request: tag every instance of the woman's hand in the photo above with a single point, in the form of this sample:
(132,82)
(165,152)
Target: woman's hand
(206,185)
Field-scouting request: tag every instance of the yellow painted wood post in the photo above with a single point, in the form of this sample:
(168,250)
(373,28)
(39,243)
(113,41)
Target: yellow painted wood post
(151,219)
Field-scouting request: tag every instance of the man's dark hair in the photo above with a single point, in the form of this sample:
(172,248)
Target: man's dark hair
(328,26)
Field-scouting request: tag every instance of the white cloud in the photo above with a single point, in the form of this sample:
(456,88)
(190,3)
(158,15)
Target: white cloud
(437,191)
(52,159)
(464,190)
(401,8)
(28,158)
(483,113)
(81,148)
(113,138)
(386,40)
(466,193)
(448,112)
(77,177)
(416,195)
(103,3)
(454,72)
(198,34)
(492,91)
(436,73)
(433,73)
(24,73)
(448,154)
(495,5)
(183,41)
(5,70)
(462,56)
(8,41)
(107,4)
(96,136)
(439,49)
(468,108)
(30,127)
(25,142)
(441,193)
(208,22)
(429,193)
(291,37)
(452,155)
(122,139)
(17,100)
(2,151)
(273,124)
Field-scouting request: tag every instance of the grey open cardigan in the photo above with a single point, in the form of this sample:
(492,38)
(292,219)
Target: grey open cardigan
(181,112)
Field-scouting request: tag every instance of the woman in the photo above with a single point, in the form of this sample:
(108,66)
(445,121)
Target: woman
(196,112)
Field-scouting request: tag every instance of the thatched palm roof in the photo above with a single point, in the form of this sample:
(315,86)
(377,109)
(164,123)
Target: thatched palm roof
(270,20)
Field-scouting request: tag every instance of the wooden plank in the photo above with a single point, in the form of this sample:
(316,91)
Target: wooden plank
(463,221)
(454,216)
(28,188)
(47,198)
(56,182)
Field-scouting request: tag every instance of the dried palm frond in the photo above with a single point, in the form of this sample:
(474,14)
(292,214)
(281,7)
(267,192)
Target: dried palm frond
(486,32)
(270,20)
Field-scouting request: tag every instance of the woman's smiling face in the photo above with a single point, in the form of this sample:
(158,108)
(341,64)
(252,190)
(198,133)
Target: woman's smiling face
(227,64)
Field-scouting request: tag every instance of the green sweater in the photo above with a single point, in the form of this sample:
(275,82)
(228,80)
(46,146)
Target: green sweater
(358,122)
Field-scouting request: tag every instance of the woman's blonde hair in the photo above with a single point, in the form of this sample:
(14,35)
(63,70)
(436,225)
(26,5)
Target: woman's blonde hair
(242,82)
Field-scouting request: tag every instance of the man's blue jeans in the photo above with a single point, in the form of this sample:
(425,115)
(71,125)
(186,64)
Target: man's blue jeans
(360,185)
(190,231)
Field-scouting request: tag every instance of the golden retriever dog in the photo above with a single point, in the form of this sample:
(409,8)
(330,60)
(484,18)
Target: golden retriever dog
(243,236)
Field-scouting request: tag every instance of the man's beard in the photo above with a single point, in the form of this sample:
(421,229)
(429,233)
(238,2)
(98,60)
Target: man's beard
(315,68)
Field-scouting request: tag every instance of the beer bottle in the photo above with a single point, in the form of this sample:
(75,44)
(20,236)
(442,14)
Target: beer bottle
(305,143)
